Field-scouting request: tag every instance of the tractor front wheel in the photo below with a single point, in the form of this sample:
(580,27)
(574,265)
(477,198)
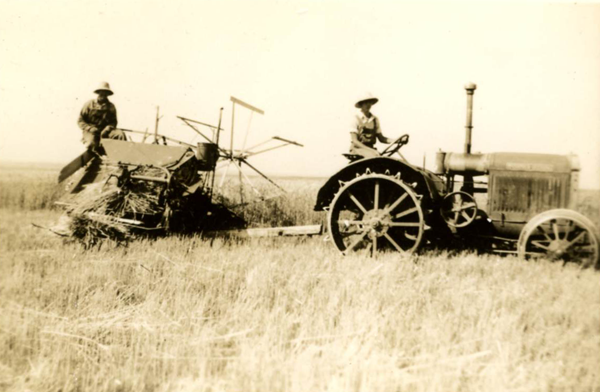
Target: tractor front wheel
(561,234)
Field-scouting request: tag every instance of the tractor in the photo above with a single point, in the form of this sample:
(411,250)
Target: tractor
(523,205)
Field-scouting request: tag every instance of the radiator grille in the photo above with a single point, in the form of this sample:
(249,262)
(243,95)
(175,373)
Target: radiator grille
(521,194)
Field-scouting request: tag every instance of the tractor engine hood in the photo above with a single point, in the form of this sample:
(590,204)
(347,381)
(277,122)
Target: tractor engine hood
(478,164)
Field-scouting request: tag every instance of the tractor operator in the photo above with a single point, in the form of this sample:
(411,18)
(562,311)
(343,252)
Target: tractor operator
(98,119)
(366,129)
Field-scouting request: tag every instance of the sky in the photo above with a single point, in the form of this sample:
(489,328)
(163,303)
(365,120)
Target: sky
(305,63)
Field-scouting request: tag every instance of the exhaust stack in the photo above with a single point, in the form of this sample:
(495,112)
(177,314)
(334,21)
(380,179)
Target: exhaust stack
(465,163)
(470,87)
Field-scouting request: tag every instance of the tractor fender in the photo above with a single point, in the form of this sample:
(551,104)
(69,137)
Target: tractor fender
(425,183)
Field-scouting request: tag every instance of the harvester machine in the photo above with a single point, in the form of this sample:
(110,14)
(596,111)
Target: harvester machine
(168,185)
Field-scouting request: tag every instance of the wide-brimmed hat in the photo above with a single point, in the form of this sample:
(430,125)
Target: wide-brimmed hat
(368,97)
(104,87)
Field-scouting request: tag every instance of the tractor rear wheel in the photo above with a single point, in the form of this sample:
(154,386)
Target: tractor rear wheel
(561,235)
(376,212)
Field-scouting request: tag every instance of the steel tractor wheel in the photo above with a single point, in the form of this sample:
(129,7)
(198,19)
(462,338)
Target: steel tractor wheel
(561,235)
(376,212)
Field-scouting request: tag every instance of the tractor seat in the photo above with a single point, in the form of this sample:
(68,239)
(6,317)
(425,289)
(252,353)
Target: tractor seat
(353,157)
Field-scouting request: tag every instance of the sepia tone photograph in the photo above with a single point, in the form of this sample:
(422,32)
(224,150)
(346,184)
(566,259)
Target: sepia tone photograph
(295,195)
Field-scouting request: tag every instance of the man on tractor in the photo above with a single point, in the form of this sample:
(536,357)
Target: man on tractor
(366,129)
(98,119)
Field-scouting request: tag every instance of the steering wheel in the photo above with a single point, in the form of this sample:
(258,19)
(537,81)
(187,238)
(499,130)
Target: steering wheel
(395,145)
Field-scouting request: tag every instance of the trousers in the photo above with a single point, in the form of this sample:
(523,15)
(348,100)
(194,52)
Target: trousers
(92,140)
(365,152)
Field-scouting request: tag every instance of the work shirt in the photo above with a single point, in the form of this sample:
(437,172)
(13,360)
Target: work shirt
(367,129)
(97,115)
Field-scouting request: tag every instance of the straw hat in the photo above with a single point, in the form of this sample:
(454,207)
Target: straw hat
(104,87)
(366,97)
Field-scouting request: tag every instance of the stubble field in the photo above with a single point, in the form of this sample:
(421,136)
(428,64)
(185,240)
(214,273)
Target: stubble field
(187,313)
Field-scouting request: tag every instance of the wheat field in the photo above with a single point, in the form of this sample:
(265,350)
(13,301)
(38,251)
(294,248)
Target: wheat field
(186,313)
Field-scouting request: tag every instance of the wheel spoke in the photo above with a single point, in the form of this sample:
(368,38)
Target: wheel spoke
(394,243)
(555,230)
(467,206)
(465,215)
(406,212)
(358,204)
(405,224)
(356,242)
(396,203)
(539,245)
(540,228)
(376,196)
(579,236)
